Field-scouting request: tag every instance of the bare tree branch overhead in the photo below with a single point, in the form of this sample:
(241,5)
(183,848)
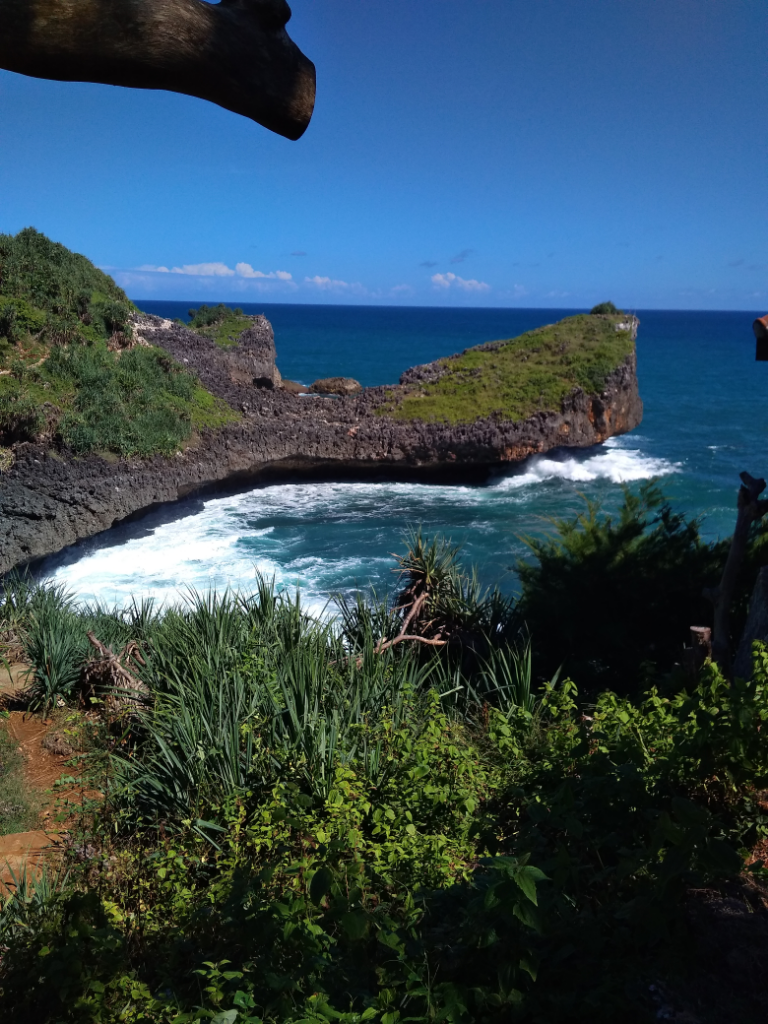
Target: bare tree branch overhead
(236,53)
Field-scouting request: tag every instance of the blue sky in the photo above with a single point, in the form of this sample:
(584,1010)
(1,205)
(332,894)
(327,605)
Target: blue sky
(476,152)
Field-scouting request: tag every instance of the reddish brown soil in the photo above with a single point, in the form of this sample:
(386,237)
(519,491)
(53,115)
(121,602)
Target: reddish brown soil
(42,770)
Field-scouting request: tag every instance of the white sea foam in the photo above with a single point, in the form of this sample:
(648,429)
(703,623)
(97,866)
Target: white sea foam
(618,465)
(323,537)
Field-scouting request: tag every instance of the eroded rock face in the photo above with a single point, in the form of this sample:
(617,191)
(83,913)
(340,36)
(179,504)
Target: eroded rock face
(231,373)
(252,360)
(48,501)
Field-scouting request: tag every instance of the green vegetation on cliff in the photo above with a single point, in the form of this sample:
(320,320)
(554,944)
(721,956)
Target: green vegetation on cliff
(221,323)
(54,295)
(69,370)
(516,378)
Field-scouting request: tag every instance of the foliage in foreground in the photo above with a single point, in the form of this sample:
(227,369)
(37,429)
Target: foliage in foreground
(298,828)
(612,597)
(514,379)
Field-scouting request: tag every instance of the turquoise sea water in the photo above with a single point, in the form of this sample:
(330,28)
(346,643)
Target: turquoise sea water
(706,418)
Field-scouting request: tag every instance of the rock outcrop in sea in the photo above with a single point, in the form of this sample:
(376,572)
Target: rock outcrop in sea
(49,500)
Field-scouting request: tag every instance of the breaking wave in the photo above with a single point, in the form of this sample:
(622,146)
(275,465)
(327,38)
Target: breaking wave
(327,538)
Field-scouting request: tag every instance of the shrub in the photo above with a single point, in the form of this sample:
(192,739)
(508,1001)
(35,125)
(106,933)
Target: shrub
(21,418)
(138,403)
(605,307)
(612,598)
(221,323)
(207,316)
(43,278)
(530,867)
(301,826)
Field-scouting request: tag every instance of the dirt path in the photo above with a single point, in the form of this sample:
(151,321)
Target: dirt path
(42,769)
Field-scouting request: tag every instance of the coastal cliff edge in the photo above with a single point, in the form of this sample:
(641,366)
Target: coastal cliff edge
(49,499)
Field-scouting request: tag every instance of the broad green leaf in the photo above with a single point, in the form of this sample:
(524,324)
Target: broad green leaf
(320,884)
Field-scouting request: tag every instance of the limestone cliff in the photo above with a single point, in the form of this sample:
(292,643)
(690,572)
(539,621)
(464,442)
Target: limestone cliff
(49,500)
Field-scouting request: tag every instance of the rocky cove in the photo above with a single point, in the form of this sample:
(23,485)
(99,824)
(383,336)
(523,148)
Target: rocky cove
(50,499)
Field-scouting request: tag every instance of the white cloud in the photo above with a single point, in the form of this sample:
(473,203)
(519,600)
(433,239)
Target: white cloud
(246,270)
(401,289)
(325,283)
(329,284)
(204,270)
(243,270)
(450,280)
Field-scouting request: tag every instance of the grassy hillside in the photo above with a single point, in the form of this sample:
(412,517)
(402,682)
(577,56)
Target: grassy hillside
(69,372)
(54,294)
(517,378)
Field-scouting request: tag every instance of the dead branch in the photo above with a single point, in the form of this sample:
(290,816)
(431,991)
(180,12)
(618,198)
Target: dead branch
(108,672)
(414,611)
(413,636)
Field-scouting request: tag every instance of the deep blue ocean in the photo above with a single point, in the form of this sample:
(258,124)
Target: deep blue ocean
(706,419)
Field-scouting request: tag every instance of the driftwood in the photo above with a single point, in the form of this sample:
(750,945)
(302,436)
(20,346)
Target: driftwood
(236,53)
(108,674)
(750,509)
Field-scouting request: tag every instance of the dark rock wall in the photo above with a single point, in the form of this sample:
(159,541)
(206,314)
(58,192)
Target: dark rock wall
(48,500)
(253,358)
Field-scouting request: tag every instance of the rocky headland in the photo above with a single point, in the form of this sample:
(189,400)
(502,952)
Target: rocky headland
(49,499)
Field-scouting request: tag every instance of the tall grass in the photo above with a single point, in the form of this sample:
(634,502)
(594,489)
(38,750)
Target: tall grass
(18,809)
(249,689)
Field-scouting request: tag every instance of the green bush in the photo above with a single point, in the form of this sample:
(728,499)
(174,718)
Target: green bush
(135,405)
(57,313)
(136,402)
(110,316)
(21,417)
(221,323)
(207,316)
(612,598)
(43,278)
(606,307)
(528,866)
(299,825)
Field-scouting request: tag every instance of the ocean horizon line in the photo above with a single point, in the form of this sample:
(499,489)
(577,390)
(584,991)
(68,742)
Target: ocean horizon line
(234,303)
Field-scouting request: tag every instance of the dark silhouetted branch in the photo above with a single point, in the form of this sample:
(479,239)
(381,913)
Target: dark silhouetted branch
(235,53)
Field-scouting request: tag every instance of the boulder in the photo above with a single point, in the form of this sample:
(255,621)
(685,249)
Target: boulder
(293,388)
(336,386)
